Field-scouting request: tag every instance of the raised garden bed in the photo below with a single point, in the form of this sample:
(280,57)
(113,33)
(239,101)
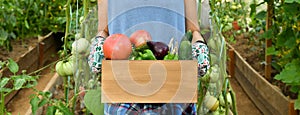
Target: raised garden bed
(267,97)
(40,53)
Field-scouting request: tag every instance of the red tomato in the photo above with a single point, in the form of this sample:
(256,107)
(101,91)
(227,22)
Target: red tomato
(140,37)
(117,47)
(236,25)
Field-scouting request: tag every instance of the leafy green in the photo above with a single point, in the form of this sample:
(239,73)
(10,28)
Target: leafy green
(12,66)
(34,104)
(51,110)
(297,102)
(3,82)
(18,84)
(92,100)
(290,74)
(272,51)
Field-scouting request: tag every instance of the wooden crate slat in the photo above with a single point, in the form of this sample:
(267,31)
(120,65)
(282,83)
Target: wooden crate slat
(172,81)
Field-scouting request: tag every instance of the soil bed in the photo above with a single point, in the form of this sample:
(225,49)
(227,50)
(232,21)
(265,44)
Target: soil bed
(253,52)
(19,48)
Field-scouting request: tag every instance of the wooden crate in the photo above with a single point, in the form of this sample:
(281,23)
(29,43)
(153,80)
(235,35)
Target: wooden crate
(264,95)
(149,81)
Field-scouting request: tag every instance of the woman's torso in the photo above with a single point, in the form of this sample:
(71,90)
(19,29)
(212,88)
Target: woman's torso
(164,19)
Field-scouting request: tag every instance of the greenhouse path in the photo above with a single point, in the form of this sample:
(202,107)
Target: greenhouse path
(244,104)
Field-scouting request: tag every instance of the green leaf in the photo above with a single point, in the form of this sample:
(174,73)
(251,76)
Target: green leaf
(3,82)
(42,102)
(26,24)
(18,83)
(286,38)
(297,102)
(12,66)
(64,109)
(51,110)
(291,1)
(34,104)
(295,89)
(3,35)
(5,90)
(261,15)
(268,34)
(47,94)
(276,66)
(92,100)
(290,74)
(30,84)
(291,9)
(271,51)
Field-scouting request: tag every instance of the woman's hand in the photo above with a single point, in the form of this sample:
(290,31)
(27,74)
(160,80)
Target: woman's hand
(197,37)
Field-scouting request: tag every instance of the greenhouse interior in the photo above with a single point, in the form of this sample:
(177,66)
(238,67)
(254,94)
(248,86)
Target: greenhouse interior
(156,57)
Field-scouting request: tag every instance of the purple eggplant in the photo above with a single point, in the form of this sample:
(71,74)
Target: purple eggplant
(159,49)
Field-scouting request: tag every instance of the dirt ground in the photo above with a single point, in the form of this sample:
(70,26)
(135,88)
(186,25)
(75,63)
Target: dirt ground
(244,104)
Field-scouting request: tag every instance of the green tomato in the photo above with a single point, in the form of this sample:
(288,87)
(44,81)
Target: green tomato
(214,75)
(81,46)
(64,68)
(68,68)
(212,44)
(59,68)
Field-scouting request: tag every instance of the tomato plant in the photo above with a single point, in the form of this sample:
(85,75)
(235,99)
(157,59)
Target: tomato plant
(18,82)
(234,20)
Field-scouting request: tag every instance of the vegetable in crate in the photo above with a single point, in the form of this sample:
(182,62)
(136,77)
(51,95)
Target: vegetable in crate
(117,47)
(159,49)
(185,48)
(171,57)
(139,38)
(147,55)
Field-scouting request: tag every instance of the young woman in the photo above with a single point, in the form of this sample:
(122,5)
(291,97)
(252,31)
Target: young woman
(163,19)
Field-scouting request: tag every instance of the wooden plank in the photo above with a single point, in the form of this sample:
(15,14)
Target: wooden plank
(29,61)
(253,94)
(149,81)
(231,62)
(49,54)
(272,98)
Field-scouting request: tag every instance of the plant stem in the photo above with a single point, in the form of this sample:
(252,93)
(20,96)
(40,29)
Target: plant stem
(36,71)
(233,98)
(66,88)
(74,100)
(225,95)
(200,98)
(2,104)
(199,12)
(86,7)
(68,18)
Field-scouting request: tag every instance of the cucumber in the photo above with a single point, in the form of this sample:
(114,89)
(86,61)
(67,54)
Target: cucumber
(189,35)
(185,50)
